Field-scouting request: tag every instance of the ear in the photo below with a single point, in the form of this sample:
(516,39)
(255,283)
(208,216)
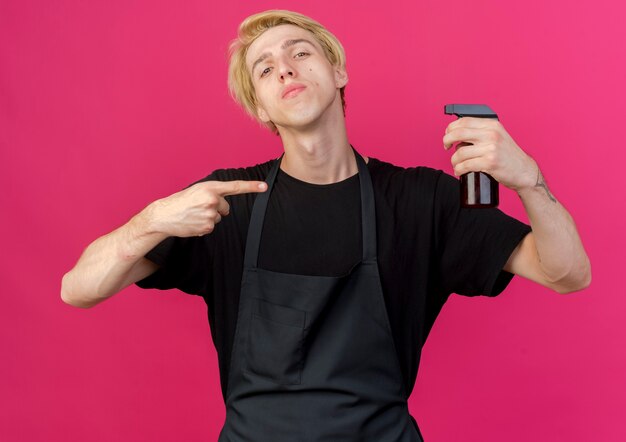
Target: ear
(341,77)
(262,114)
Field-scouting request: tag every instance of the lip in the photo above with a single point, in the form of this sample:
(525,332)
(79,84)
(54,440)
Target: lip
(291,88)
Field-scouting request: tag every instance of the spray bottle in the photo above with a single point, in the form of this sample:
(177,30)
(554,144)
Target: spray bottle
(478,189)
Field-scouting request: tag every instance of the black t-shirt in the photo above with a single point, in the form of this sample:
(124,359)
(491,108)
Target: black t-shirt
(428,247)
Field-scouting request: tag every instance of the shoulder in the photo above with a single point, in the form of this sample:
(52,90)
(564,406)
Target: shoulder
(257,172)
(419,181)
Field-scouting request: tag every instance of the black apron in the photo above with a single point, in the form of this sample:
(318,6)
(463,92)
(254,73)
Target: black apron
(313,356)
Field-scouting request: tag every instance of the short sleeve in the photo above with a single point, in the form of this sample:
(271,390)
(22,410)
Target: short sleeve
(184,263)
(473,244)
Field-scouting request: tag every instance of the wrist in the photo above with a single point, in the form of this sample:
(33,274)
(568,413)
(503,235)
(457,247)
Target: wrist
(145,224)
(540,187)
(530,179)
(135,238)
(527,191)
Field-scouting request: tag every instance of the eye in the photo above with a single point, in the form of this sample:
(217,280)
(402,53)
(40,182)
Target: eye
(265,71)
(301,54)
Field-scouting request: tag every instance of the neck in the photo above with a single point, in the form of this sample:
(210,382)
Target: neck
(320,154)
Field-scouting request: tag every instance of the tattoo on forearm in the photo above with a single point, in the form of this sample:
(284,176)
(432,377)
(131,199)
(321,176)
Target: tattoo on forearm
(541,182)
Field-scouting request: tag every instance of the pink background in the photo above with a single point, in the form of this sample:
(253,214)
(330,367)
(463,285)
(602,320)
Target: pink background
(106,106)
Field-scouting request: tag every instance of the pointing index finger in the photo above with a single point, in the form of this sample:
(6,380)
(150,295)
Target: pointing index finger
(238,187)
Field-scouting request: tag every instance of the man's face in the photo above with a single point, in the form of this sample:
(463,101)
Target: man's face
(294,82)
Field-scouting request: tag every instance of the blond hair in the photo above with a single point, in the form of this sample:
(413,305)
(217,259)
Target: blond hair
(239,79)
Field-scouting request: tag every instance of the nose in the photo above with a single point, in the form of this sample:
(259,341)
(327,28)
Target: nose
(286,70)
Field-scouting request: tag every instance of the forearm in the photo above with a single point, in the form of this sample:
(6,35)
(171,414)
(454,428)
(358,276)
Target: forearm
(110,263)
(560,252)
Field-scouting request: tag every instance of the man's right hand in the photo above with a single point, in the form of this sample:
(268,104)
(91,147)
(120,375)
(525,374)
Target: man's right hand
(196,210)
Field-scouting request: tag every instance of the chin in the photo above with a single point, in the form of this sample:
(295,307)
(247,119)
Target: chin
(307,117)
(299,121)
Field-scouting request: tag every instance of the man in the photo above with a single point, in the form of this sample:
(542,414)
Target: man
(323,271)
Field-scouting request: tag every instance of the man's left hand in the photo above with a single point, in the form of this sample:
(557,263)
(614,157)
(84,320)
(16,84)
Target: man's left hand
(486,146)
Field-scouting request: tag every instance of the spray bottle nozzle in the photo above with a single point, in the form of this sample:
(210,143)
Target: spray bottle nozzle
(470,110)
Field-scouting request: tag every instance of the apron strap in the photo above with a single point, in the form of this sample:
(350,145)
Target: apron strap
(368,214)
(256,219)
(368,209)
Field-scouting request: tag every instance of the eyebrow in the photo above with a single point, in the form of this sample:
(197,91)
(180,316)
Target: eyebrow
(285,45)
